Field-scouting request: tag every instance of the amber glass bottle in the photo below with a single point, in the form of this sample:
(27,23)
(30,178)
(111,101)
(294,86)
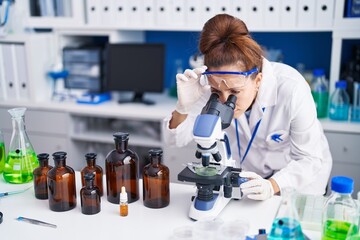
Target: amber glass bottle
(156,191)
(40,178)
(121,167)
(90,196)
(93,168)
(61,185)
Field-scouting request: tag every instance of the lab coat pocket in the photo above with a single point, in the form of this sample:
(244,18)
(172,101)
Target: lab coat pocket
(277,139)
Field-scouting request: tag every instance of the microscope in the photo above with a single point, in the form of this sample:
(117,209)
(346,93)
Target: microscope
(216,177)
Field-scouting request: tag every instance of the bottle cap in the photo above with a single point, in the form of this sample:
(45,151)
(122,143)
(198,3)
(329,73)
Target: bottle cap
(43,156)
(123,195)
(155,152)
(90,156)
(342,184)
(121,136)
(59,155)
(318,72)
(89,176)
(341,84)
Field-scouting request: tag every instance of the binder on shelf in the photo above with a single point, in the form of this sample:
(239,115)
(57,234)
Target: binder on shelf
(93,12)
(2,77)
(149,13)
(106,17)
(306,14)
(192,13)
(208,10)
(135,13)
(21,71)
(177,12)
(9,76)
(324,13)
(120,10)
(272,14)
(255,14)
(162,12)
(240,9)
(288,13)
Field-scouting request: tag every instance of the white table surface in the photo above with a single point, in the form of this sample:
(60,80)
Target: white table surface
(141,223)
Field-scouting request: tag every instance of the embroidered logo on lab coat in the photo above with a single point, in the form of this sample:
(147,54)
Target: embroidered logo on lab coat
(277,138)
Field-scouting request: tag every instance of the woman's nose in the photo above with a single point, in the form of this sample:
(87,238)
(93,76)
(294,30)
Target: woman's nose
(223,96)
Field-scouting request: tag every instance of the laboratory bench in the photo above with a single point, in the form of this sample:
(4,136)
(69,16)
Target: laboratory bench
(81,128)
(141,223)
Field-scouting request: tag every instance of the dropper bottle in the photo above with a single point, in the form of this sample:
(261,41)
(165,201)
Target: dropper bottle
(123,202)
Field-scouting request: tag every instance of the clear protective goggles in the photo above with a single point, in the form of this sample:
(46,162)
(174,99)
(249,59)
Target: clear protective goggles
(240,79)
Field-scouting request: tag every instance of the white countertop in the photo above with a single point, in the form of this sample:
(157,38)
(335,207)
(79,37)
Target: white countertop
(141,223)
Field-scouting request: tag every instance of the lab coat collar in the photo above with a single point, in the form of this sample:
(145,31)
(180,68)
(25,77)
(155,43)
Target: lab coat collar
(267,94)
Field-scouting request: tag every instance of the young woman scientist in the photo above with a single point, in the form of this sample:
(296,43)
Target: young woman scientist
(275,136)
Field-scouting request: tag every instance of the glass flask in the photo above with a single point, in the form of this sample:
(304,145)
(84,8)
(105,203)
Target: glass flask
(2,152)
(40,176)
(93,168)
(61,185)
(286,224)
(339,209)
(121,166)
(156,191)
(21,159)
(320,92)
(90,196)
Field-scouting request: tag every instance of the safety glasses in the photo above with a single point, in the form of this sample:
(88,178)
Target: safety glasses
(240,79)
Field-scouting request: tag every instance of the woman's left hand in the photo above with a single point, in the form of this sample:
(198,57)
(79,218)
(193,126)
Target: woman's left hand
(256,188)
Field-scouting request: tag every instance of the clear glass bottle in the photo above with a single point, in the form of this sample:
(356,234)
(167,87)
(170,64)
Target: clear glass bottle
(93,168)
(156,190)
(339,102)
(61,184)
(21,159)
(122,169)
(90,196)
(354,231)
(355,110)
(124,208)
(338,209)
(40,176)
(286,224)
(2,152)
(320,92)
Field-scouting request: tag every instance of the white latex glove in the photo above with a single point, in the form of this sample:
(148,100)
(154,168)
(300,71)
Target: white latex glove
(190,87)
(256,188)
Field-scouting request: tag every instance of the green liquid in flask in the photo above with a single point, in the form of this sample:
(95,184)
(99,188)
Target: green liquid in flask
(286,228)
(2,157)
(19,167)
(334,229)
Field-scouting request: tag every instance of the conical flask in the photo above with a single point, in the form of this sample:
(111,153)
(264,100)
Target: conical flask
(286,224)
(21,159)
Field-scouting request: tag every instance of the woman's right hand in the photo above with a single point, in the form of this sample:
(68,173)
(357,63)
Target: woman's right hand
(190,88)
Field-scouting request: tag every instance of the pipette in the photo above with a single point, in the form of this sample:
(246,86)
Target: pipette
(36,222)
(4,194)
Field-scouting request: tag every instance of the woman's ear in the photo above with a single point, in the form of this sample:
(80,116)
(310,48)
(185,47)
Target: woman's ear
(258,80)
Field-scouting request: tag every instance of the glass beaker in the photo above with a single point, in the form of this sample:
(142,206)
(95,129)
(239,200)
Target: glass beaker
(286,224)
(21,159)
(2,152)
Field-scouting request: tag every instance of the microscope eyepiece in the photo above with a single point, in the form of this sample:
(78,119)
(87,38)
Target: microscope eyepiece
(231,101)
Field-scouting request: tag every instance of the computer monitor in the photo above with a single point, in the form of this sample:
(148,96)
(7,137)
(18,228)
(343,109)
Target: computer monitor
(135,67)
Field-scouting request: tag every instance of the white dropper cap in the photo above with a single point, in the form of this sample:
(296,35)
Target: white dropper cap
(123,195)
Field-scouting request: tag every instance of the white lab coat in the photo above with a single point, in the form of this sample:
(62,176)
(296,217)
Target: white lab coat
(302,160)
